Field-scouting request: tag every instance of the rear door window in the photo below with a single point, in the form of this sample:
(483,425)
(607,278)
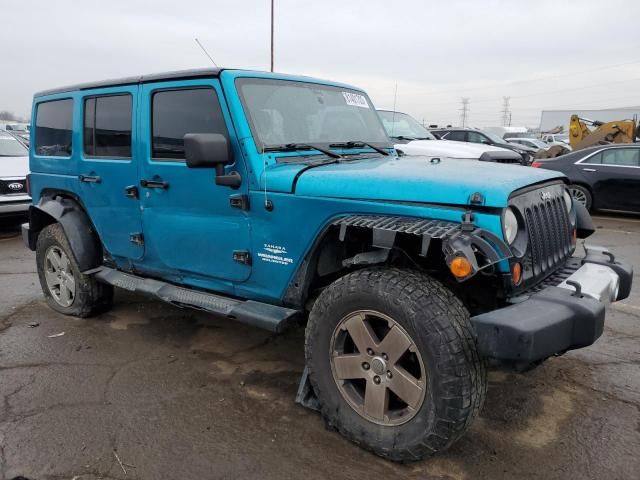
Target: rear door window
(625,157)
(107,126)
(456,135)
(53,128)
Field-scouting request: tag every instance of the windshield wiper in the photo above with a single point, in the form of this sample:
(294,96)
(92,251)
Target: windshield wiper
(359,144)
(291,147)
(403,137)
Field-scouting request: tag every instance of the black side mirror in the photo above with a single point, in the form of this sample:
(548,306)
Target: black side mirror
(211,150)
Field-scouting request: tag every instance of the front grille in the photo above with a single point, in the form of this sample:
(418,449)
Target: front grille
(9,187)
(549,231)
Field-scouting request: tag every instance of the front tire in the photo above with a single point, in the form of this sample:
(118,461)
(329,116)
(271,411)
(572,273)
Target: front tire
(65,288)
(393,362)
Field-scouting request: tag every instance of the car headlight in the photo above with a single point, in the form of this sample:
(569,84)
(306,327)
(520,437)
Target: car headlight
(510,225)
(568,201)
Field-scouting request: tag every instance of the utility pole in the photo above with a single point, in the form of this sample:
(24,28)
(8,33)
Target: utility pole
(506,112)
(272,35)
(464,111)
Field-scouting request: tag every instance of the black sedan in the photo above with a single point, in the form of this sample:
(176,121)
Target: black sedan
(604,177)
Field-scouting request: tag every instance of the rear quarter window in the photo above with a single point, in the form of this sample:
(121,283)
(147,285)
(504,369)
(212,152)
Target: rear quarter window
(53,128)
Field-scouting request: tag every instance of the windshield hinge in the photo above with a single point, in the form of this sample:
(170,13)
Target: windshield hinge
(467,222)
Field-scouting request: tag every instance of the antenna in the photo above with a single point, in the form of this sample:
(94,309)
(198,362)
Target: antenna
(393,117)
(206,53)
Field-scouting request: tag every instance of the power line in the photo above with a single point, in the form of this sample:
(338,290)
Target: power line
(506,114)
(465,111)
(517,82)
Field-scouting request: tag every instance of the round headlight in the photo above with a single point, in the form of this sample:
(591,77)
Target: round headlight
(510,226)
(568,201)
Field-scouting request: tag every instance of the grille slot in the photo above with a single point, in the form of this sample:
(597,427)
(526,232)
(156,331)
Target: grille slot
(549,231)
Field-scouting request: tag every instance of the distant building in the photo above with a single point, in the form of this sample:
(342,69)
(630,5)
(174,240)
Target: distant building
(554,118)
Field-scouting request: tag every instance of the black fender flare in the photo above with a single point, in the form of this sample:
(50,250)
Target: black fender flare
(584,222)
(75,222)
(457,238)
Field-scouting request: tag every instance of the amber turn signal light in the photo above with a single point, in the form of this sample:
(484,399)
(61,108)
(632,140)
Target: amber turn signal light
(460,267)
(516,273)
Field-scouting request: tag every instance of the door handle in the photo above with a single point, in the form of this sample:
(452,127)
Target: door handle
(89,178)
(154,184)
(589,169)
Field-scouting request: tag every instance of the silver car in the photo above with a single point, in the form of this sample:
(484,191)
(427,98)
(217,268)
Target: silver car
(14,167)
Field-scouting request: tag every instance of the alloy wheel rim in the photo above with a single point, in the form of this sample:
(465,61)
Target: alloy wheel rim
(377,368)
(579,196)
(59,276)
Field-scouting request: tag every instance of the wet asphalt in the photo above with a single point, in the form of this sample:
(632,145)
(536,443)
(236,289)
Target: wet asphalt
(149,391)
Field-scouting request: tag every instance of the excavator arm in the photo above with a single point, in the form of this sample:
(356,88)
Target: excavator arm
(601,133)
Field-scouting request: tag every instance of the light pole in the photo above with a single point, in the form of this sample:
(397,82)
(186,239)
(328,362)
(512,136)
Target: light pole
(272,35)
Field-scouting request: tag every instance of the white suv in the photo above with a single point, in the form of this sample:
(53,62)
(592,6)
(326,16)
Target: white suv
(14,167)
(412,138)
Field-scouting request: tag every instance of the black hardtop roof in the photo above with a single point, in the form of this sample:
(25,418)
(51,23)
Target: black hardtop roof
(153,77)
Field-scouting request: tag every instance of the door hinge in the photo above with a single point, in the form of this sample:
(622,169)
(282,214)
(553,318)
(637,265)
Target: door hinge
(242,256)
(240,201)
(132,192)
(136,238)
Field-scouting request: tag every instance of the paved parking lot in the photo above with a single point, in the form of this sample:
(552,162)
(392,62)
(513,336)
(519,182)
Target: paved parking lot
(161,392)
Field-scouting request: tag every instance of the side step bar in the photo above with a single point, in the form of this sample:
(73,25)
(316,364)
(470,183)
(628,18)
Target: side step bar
(257,314)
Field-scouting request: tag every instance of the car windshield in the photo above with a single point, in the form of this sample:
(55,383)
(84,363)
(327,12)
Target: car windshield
(531,141)
(285,112)
(10,147)
(402,125)
(495,138)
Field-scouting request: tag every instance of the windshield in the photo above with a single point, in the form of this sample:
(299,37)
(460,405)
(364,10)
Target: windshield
(10,147)
(495,138)
(282,112)
(402,125)
(537,143)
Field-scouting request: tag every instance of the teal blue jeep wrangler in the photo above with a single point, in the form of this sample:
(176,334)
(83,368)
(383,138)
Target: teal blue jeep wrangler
(271,199)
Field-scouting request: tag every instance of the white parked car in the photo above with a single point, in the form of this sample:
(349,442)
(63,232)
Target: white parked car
(14,167)
(411,138)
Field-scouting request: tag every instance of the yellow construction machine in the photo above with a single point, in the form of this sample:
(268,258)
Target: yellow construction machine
(584,133)
(618,131)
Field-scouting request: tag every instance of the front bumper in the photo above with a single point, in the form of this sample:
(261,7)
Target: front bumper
(14,207)
(557,318)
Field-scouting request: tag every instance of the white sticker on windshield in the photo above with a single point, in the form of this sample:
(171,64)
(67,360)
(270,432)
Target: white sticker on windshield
(355,99)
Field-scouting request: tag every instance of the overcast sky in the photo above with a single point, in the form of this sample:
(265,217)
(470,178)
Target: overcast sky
(544,54)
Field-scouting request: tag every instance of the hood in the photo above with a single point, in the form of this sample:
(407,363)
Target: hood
(447,148)
(407,179)
(14,166)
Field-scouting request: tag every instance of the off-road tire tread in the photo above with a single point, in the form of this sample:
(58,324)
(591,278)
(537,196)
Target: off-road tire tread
(92,297)
(463,371)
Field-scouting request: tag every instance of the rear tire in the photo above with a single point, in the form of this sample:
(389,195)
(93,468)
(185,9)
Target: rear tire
(66,289)
(582,195)
(446,376)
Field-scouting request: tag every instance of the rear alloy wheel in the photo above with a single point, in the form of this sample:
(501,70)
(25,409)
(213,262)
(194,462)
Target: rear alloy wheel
(65,287)
(581,195)
(59,276)
(393,362)
(383,381)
